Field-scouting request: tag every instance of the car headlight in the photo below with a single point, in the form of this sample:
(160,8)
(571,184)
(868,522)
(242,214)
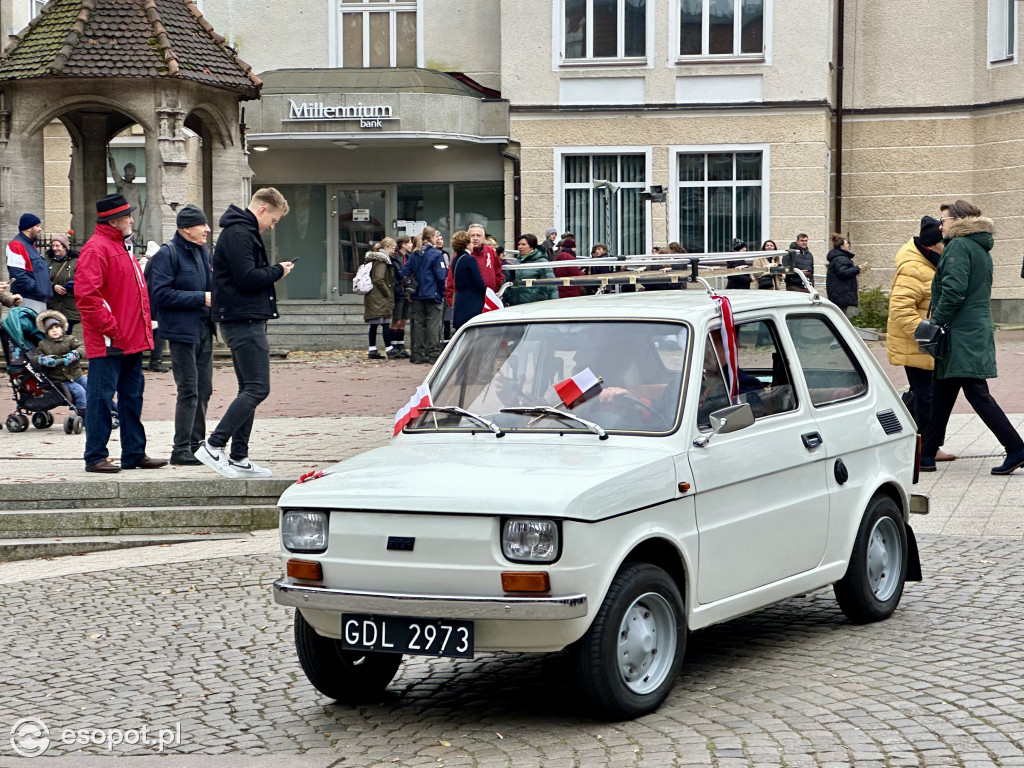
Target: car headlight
(530,541)
(304,531)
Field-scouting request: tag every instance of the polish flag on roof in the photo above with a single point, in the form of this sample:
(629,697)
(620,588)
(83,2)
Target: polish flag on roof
(491,301)
(573,389)
(411,410)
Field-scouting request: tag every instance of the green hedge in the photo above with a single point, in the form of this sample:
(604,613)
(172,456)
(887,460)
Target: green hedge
(874,309)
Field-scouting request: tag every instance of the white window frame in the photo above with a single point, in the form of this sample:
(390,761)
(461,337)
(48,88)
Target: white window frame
(560,185)
(335,34)
(34,7)
(558,48)
(673,191)
(1002,32)
(676,58)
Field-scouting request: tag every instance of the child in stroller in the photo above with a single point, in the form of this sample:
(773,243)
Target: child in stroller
(35,392)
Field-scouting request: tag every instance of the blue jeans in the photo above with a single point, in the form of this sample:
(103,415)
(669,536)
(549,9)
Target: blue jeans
(250,355)
(107,376)
(77,390)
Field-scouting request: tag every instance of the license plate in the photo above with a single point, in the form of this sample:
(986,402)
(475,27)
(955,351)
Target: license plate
(400,634)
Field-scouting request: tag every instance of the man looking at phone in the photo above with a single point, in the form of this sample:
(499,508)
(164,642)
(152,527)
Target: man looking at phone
(180,286)
(243,300)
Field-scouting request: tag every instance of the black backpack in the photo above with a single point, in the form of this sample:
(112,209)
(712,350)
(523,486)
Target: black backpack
(149,268)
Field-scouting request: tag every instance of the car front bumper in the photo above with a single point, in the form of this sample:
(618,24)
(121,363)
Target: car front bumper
(538,608)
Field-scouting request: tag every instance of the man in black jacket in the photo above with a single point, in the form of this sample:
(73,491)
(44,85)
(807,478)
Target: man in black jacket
(804,261)
(180,288)
(243,300)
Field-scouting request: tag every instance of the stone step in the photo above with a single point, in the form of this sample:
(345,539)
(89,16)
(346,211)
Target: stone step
(320,342)
(36,523)
(27,549)
(141,493)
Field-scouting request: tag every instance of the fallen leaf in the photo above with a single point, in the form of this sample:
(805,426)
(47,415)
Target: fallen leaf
(96,635)
(444,743)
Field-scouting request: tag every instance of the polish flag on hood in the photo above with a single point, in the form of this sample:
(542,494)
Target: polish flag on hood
(491,301)
(411,409)
(573,389)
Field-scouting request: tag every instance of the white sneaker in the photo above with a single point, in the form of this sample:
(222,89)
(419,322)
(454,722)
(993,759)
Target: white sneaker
(249,468)
(217,460)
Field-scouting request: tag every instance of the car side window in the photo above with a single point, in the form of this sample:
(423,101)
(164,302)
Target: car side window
(831,371)
(765,381)
(714,393)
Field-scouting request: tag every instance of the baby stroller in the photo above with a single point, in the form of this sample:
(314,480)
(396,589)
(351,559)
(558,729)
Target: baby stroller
(34,393)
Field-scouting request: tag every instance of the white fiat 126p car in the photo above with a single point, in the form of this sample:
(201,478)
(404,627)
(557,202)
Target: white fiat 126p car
(597,474)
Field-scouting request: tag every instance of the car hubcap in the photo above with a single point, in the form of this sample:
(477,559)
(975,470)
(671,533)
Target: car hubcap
(885,557)
(647,642)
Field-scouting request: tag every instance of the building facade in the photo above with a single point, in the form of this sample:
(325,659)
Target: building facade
(756,119)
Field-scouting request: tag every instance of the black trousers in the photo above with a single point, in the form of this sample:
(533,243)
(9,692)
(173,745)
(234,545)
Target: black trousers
(977,394)
(193,375)
(250,354)
(922,384)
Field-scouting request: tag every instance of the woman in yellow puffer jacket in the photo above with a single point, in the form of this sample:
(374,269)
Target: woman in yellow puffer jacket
(908,306)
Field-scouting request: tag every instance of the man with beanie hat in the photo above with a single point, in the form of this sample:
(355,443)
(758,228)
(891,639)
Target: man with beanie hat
(180,284)
(548,243)
(30,274)
(908,306)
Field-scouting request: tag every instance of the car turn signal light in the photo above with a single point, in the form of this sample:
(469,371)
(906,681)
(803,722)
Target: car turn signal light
(307,570)
(525,581)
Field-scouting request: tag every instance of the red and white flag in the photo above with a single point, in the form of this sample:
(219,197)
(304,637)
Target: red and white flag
(573,389)
(491,301)
(729,344)
(411,409)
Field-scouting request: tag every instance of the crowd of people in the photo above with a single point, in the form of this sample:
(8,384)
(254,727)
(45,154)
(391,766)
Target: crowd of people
(943,278)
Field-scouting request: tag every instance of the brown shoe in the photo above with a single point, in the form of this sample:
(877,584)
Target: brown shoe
(146,463)
(941,455)
(102,466)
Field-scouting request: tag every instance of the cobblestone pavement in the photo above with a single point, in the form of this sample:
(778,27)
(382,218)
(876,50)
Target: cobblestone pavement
(201,644)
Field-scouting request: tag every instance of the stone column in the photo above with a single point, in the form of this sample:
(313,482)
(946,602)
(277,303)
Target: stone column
(170,143)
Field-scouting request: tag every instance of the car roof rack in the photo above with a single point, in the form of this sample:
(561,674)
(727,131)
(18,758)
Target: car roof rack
(661,270)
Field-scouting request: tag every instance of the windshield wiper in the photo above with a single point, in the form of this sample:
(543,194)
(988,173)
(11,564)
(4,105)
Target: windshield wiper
(467,414)
(547,410)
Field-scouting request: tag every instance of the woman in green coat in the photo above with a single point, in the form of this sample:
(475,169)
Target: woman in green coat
(529,253)
(961,294)
(379,303)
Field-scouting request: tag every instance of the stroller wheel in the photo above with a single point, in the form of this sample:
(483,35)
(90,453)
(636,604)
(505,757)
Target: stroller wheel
(17,422)
(49,419)
(79,425)
(69,425)
(115,422)
(39,420)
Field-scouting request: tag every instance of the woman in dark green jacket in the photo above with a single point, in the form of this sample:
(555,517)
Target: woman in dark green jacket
(529,253)
(961,303)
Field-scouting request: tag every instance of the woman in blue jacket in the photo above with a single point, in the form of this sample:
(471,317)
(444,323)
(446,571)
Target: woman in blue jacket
(426,272)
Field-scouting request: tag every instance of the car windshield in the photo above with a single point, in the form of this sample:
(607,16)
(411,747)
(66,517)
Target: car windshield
(622,376)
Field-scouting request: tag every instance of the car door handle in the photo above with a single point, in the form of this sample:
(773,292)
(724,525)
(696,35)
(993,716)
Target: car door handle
(811,440)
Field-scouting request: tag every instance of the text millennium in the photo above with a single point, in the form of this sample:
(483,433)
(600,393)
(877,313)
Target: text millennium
(369,116)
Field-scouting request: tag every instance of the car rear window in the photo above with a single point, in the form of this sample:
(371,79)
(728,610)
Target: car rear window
(831,371)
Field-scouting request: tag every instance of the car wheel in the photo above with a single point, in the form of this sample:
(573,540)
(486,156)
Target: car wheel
(628,661)
(874,580)
(347,676)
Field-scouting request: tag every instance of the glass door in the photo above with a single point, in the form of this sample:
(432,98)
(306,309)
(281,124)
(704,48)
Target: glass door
(362,216)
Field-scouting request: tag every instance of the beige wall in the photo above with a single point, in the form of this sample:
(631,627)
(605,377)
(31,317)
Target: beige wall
(897,170)
(798,69)
(798,158)
(917,53)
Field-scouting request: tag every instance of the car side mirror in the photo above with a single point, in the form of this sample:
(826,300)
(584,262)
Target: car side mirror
(730,419)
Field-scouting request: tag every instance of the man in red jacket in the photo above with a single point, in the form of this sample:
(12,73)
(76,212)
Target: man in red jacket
(486,257)
(116,326)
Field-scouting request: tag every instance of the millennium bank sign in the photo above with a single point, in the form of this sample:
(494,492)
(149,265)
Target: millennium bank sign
(369,116)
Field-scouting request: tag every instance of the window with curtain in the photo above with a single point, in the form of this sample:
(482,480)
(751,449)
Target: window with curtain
(721,28)
(616,217)
(604,29)
(720,197)
(1002,30)
(377,33)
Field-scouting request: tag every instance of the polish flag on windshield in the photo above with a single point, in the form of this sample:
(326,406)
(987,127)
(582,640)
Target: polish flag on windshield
(412,409)
(573,389)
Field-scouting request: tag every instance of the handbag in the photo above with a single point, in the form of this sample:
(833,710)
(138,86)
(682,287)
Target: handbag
(932,339)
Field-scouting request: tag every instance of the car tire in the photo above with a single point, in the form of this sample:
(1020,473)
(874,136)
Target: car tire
(347,676)
(877,573)
(617,661)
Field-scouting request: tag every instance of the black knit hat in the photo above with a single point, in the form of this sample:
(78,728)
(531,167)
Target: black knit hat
(931,231)
(190,216)
(738,244)
(110,207)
